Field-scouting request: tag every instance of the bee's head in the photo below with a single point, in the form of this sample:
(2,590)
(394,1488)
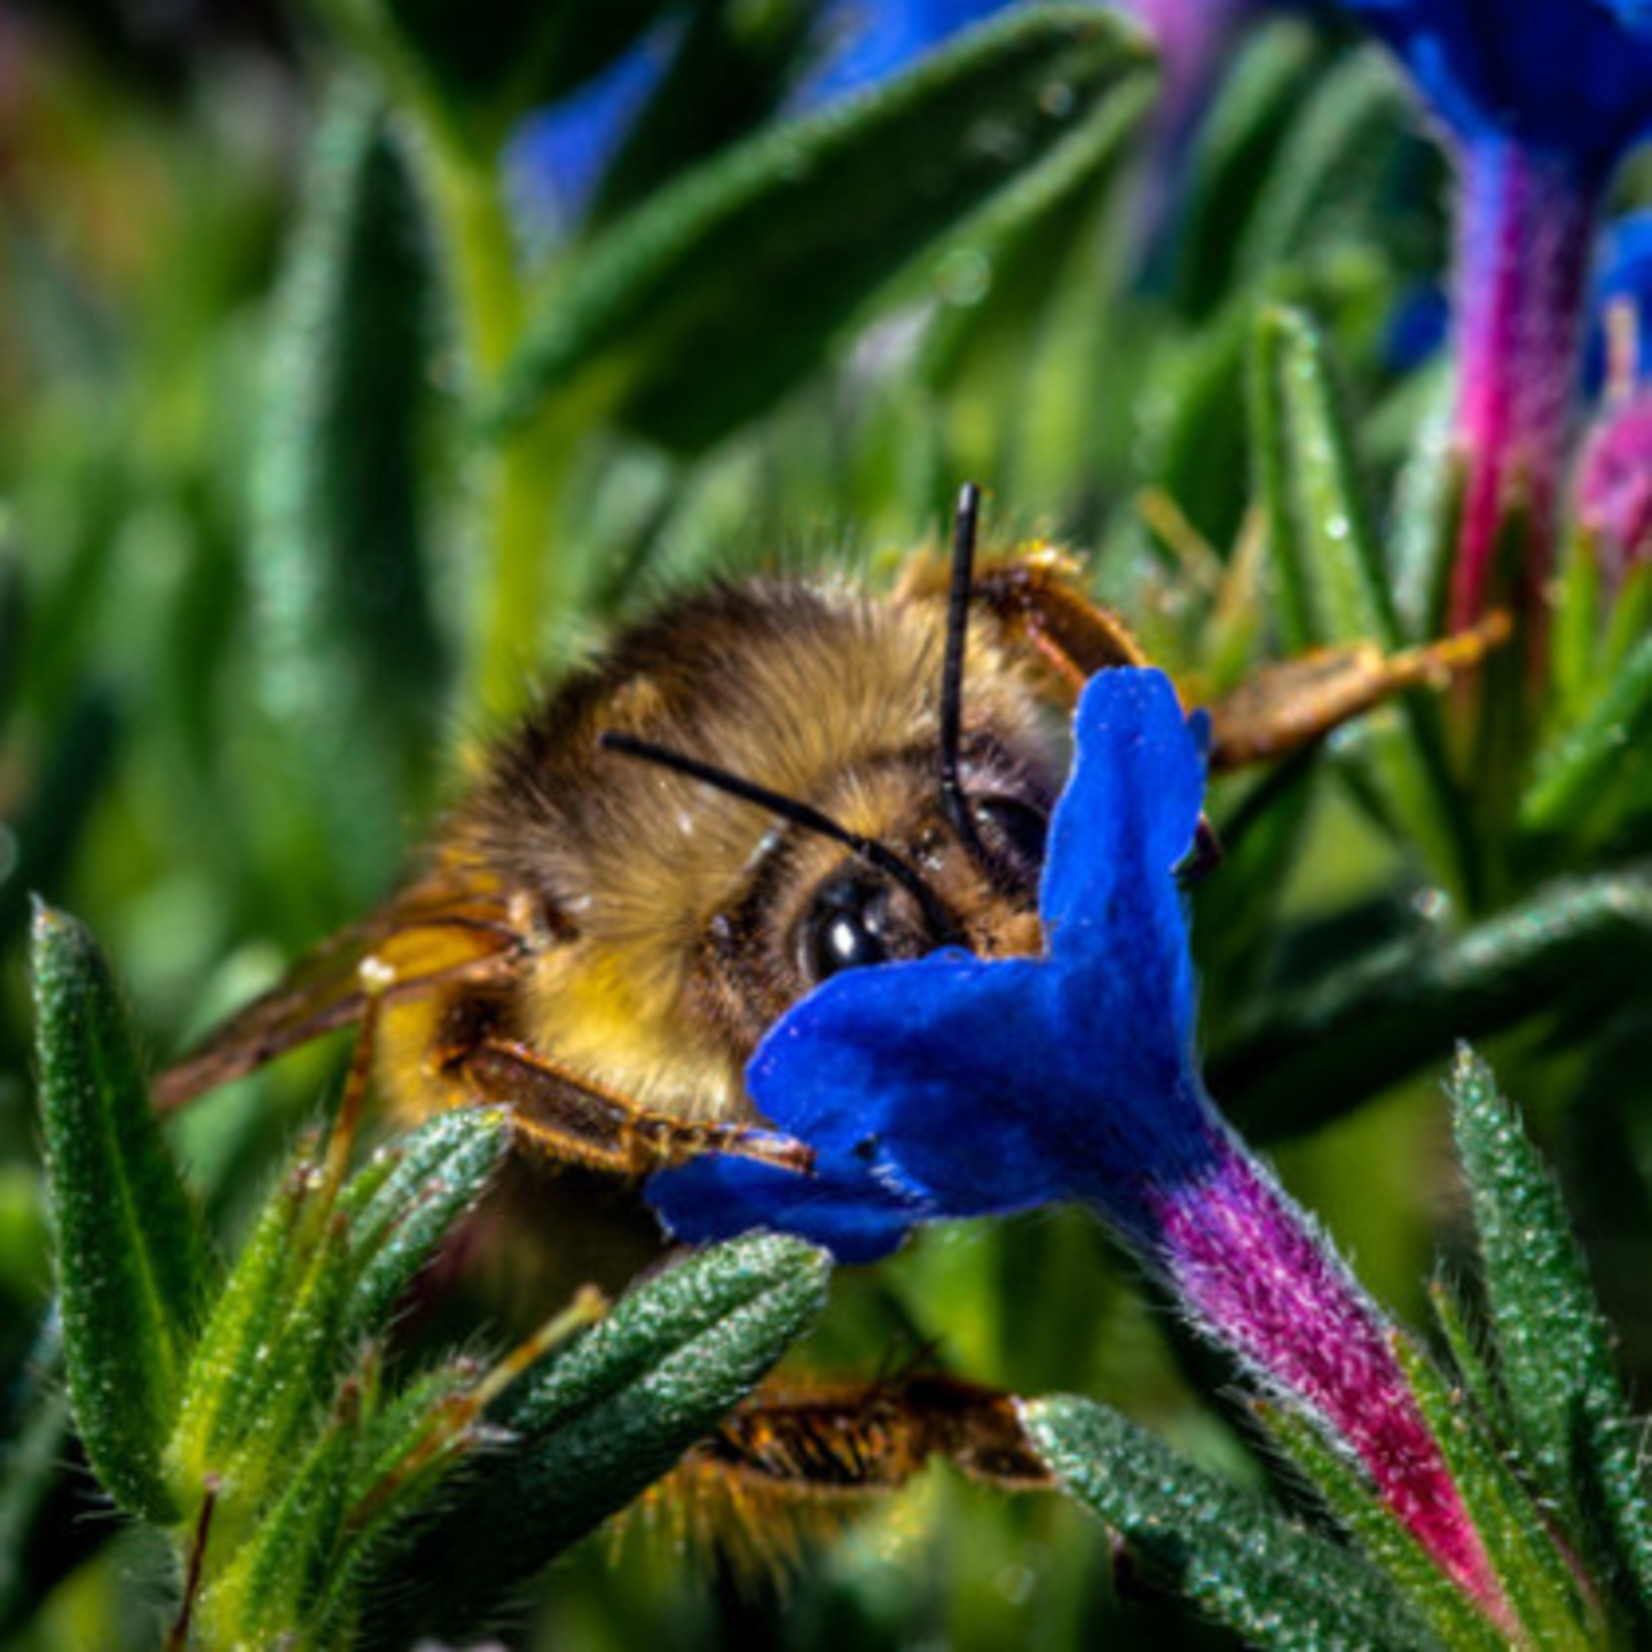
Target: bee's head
(909,848)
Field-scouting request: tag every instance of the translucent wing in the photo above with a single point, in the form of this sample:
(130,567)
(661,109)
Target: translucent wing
(435,931)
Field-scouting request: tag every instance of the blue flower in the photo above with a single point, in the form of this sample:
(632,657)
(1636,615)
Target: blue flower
(951,1086)
(1572,77)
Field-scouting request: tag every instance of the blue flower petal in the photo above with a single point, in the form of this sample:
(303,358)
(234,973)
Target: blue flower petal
(954,1086)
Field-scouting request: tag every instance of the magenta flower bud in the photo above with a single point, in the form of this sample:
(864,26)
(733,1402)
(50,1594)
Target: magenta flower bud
(1614,486)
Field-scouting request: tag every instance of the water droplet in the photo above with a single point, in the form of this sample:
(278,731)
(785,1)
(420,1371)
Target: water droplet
(964,276)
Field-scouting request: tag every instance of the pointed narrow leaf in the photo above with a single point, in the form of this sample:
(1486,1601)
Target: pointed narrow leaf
(783,237)
(1334,585)
(272,1590)
(1236,1557)
(1538,1583)
(1577,776)
(348,653)
(1351,125)
(1322,1048)
(597,1425)
(440,1171)
(1553,1347)
(1471,1369)
(225,1383)
(132,1260)
(1349,1497)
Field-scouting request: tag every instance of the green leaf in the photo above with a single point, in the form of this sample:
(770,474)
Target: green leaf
(1427,513)
(1344,175)
(1520,1544)
(225,1379)
(1231,1553)
(1333,584)
(1317,1049)
(435,1174)
(132,1259)
(597,1425)
(277,1579)
(1554,1350)
(1349,1496)
(350,666)
(271,1354)
(785,236)
(490,62)
(1235,153)
(1579,776)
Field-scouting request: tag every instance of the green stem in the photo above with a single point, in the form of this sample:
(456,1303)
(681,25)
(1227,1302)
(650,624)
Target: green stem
(519,479)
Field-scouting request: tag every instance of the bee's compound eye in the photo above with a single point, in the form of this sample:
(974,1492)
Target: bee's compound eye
(846,926)
(1020,829)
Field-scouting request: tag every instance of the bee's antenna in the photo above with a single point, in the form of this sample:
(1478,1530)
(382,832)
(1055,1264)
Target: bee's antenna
(799,813)
(953,800)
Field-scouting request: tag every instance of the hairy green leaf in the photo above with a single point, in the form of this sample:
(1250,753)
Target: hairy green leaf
(132,1261)
(1343,1484)
(786,235)
(1554,1352)
(351,668)
(1231,1553)
(1317,1049)
(1334,583)
(435,1174)
(1540,1588)
(595,1426)
(1578,775)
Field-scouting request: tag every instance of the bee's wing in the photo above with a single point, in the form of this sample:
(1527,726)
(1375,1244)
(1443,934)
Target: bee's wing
(432,932)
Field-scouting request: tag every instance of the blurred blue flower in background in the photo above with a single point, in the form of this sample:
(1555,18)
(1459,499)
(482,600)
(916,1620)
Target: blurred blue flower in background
(1622,282)
(557,157)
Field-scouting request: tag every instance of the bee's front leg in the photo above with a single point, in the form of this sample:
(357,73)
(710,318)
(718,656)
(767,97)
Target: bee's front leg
(572,1120)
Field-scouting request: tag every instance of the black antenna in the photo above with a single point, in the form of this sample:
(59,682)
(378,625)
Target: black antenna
(802,814)
(953,800)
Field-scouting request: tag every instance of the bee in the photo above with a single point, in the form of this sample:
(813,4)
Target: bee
(765,784)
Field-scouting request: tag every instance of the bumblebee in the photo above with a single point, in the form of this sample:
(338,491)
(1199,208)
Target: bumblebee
(764,784)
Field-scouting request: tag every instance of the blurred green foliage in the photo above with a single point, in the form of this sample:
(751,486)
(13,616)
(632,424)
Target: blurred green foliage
(311,457)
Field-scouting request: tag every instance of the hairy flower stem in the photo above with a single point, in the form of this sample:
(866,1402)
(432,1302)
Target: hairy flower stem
(1523,237)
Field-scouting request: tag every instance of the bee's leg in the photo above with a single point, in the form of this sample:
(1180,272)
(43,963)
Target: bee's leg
(1287,706)
(571,1119)
(1037,601)
(1281,709)
(796,1462)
